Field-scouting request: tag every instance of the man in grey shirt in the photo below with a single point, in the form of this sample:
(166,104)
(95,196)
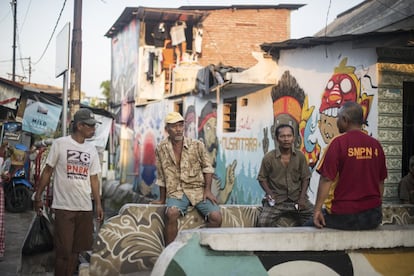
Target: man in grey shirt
(284,176)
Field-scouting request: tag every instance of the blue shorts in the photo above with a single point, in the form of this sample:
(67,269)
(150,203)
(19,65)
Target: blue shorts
(204,207)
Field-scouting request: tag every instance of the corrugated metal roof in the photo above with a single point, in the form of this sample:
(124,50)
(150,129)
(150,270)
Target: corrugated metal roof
(372,23)
(35,87)
(373,16)
(399,38)
(42,88)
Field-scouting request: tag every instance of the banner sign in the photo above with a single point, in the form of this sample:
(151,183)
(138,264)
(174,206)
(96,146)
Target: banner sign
(41,118)
(102,131)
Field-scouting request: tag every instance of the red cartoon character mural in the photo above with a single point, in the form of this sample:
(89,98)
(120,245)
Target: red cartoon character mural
(343,86)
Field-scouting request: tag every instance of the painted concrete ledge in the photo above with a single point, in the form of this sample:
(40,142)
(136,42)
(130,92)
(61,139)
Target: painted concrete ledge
(302,238)
(132,241)
(289,251)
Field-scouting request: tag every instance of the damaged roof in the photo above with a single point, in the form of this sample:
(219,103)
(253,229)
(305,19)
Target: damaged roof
(373,16)
(245,7)
(383,24)
(34,87)
(191,14)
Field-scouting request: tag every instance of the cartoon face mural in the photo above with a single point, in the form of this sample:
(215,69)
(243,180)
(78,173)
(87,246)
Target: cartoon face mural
(207,129)
(343,86)
(287,99)
(207,132)
(190,129)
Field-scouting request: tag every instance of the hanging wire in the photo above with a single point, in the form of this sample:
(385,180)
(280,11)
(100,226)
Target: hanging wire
(5,16)
(18,32)
(20,51)
(50,39)
(25,16)
(326,28)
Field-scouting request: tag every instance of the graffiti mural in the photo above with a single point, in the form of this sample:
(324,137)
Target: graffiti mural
(343,86)
(207,133)
(312,113)
(123,86)
(241,151)
(317,122)
(149,126)
(190,122)
(124,63)
(307,95)
(287,98)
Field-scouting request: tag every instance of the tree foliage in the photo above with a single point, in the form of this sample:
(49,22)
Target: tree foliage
(106,89)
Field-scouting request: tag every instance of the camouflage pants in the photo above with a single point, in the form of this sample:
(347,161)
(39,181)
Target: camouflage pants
(284,215)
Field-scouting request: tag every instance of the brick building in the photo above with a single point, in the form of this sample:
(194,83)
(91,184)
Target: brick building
(232,33)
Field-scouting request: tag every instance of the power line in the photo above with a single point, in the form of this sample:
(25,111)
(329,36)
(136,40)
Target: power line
(25,16)
(5,16)
(326,26)
(10,60)
(50,39)
(20,50)
(19,30)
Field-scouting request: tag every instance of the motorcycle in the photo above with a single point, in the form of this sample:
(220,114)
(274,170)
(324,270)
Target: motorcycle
(17,190)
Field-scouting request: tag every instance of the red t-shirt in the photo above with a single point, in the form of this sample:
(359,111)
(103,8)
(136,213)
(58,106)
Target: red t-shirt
(355,162)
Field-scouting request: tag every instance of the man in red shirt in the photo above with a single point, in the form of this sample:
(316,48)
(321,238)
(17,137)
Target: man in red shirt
(352,173)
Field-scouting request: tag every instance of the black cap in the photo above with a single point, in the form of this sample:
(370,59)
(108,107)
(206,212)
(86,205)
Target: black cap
(86,116)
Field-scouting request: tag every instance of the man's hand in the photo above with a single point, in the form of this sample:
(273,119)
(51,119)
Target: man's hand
(99,214)
(318,219)
(301,203)
(38,206)
(5,177)
(209,195)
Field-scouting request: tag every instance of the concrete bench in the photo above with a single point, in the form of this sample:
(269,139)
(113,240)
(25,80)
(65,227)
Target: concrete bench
(386,250)
(132,241)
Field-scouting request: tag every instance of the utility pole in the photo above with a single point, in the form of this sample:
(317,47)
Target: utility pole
(30,69)
(14,3)
(76,59)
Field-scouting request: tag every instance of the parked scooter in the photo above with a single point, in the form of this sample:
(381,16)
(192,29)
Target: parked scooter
(17,187)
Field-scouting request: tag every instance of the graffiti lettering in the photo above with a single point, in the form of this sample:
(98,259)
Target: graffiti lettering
(245,123)
(237,143)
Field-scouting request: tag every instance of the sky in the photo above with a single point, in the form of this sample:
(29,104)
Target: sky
(37,20)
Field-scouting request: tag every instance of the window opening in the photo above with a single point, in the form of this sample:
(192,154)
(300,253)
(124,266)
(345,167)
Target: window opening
(229,114)
(178,107)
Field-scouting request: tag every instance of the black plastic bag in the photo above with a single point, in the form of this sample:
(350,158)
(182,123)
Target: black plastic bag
(39,239)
